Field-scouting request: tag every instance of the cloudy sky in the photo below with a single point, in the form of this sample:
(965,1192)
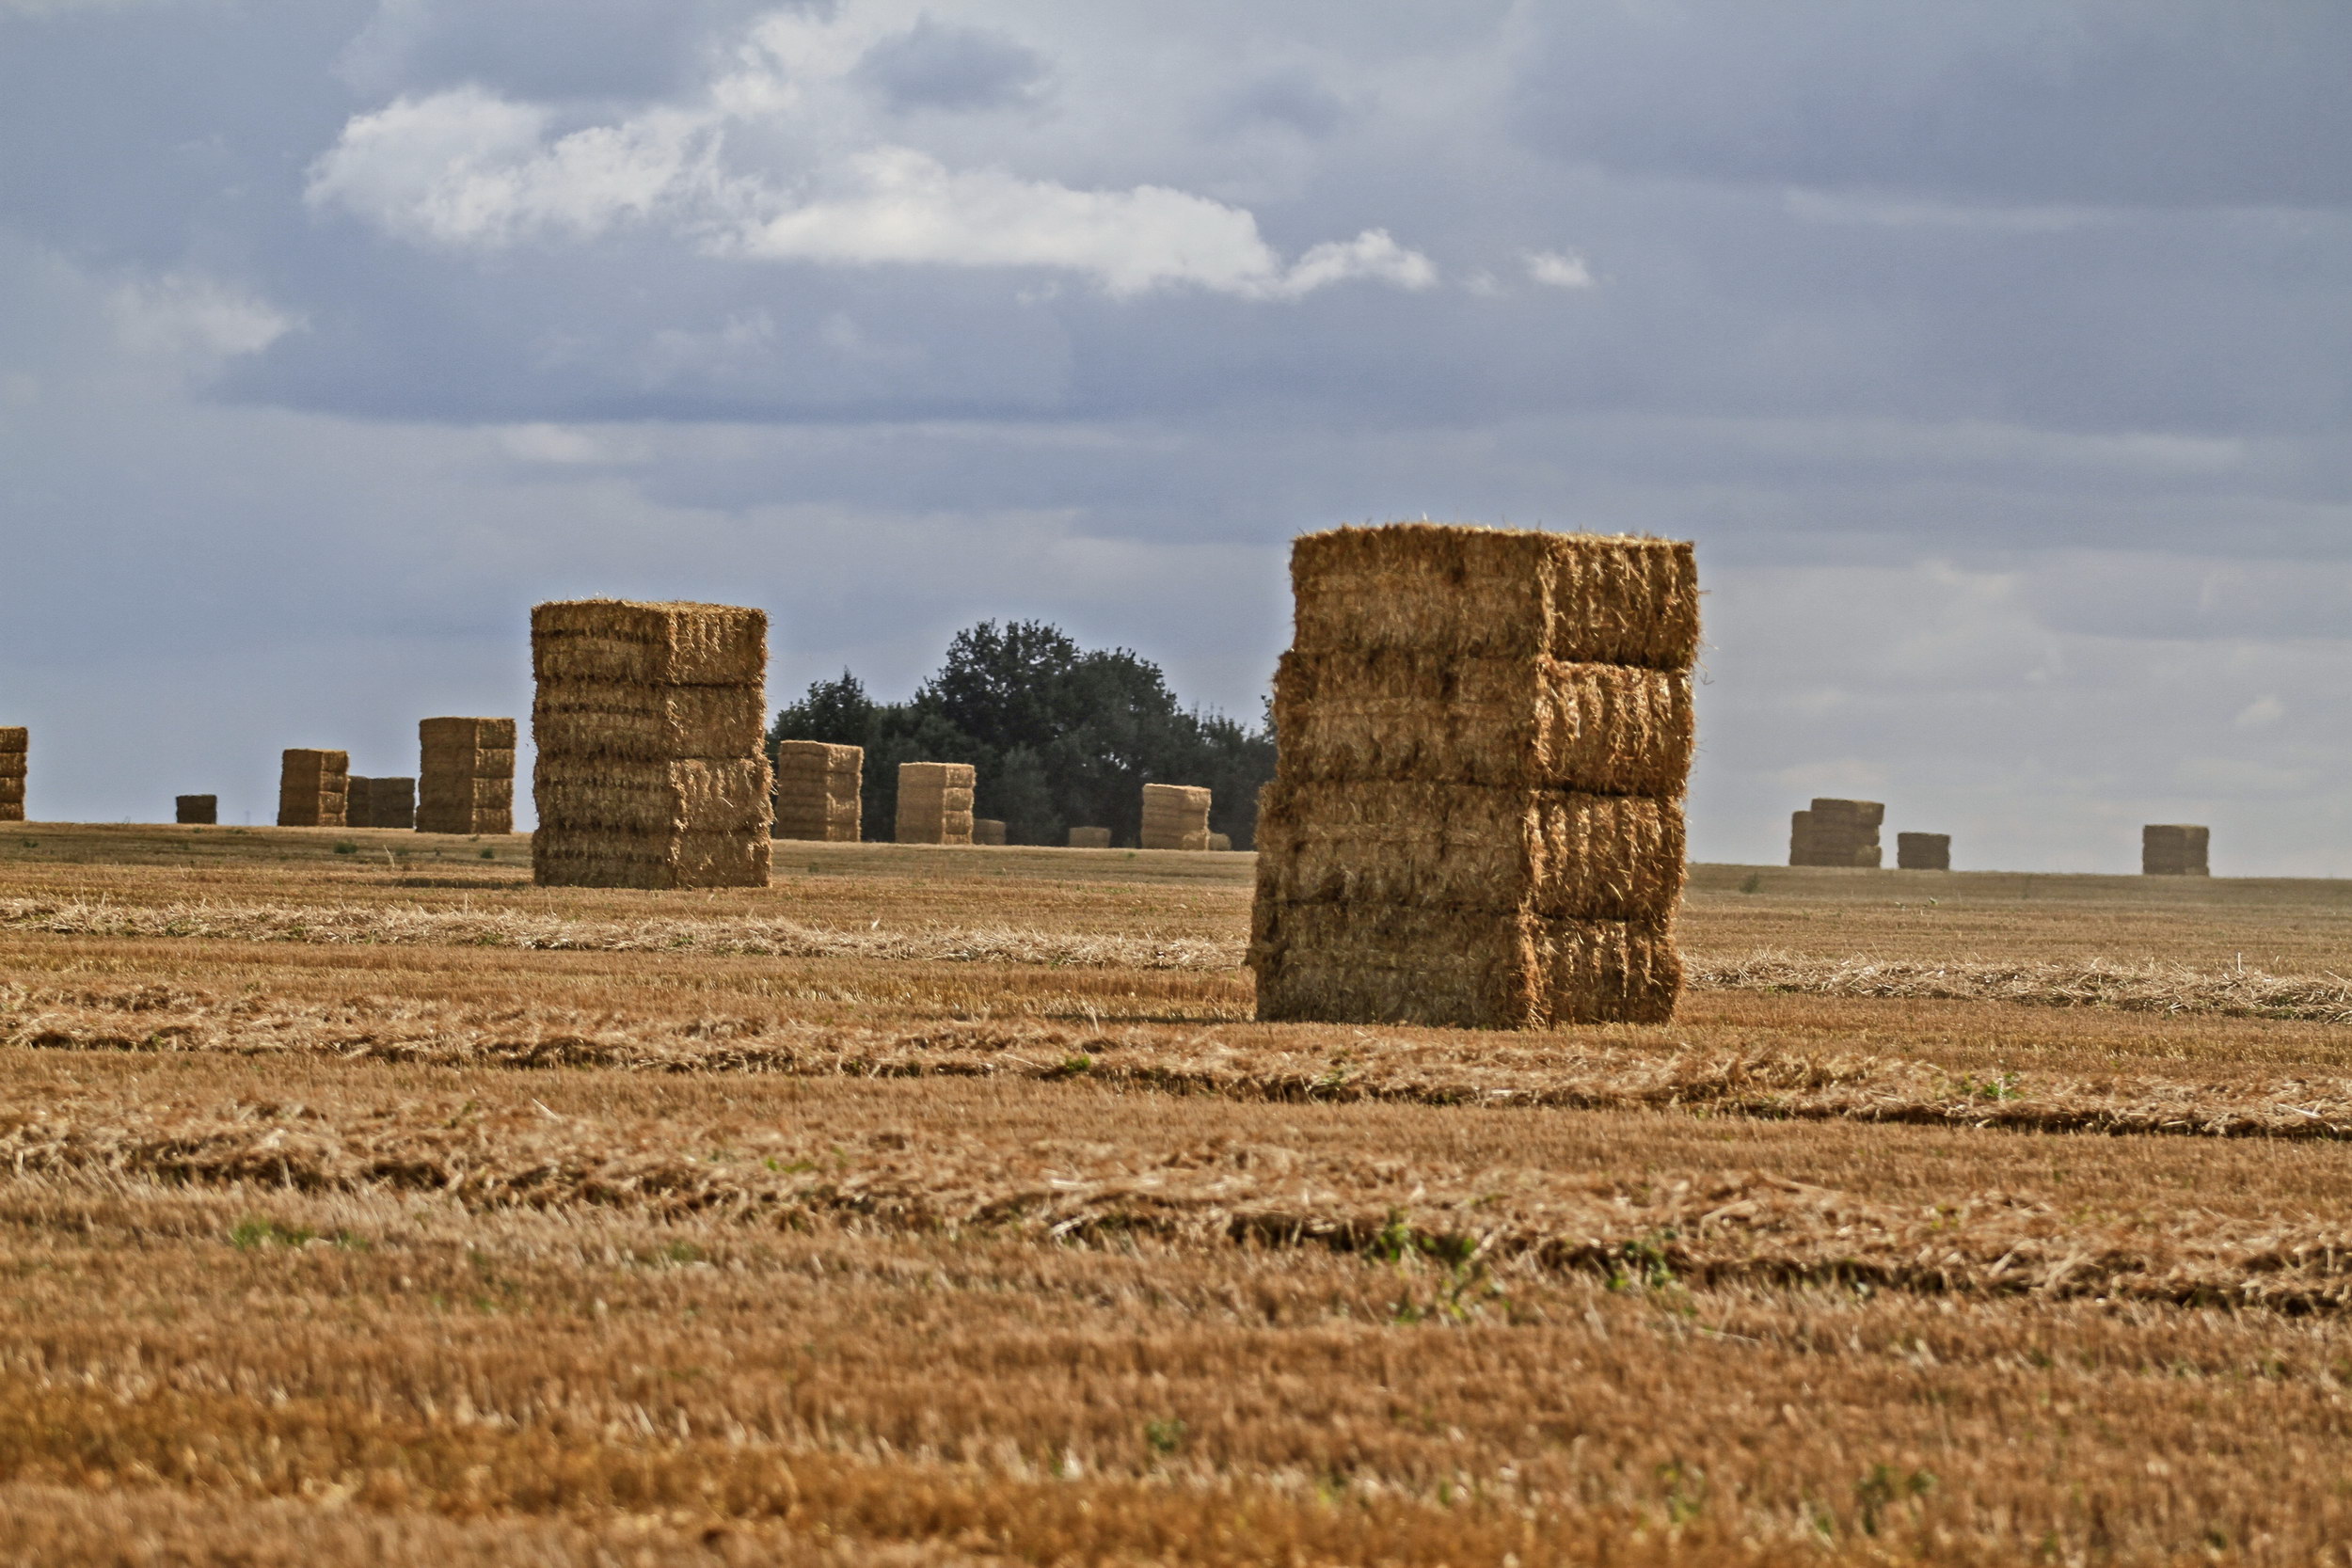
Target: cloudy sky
(1999,356)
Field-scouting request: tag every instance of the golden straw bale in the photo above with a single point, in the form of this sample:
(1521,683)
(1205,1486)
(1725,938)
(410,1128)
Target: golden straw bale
(988,831)
(935,802)
(627,643)
(596,856)
(1836,832)
(202,810)
(1447,592)
(11,799)
(624,795)
(467,781)
(15,744)
(311,787)
(1545,852)
(468,735)
(604,719)
(1923,851)
(1175,816)
(1601,728)
(1089,838)
(817,791)
(1469,969)
(358,802)
(2174,850)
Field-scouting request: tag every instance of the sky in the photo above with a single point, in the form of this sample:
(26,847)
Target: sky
(1997,357)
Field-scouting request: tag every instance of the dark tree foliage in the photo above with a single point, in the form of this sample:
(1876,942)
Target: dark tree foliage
(1059,736)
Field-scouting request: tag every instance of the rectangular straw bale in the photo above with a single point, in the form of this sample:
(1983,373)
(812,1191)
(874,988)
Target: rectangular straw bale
(988,831)
(1601,728)
(594,856)
(456,736)
(1545,852)
(1836,832)
(627,795)
(15,745)
(1220,842)
(626,643)
(1923,851)
(465,783)
(1448,592)
(1860,815)
(1175,816)
(393,804)
(1089,838)
(817,791)
(2174,850)
(202,810)
(604,719)
(11,799)
(1468,969)
(15,740)
(311,787)
(935,802)
(358,802)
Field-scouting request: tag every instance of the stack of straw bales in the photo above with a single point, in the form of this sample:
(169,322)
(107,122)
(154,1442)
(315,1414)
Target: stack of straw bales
(359,801)
(202,810)
(935,802)
(1476,817)
(1836,832)
(15,741)
(2173,849)
(312,788)
(1175,816)
(816,791)
(1089,838)
(988,831)
(391,804)
(468,777)
(650,721)
(1923,851)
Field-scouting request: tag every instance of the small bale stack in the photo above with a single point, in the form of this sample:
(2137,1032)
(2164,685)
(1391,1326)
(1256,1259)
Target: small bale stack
(935,802)
(816,791)
(650,724)
(1476,814)
(391,804)
(1923,851)
(988,831)
(1175,816)
(2173,849)
(358,802)
(1221,841)
(199,810)
(467,778)
(15,744)
(1836,832)
(312,788)
(1089,838)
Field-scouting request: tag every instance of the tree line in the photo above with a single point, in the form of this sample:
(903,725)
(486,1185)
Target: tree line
(1058,736)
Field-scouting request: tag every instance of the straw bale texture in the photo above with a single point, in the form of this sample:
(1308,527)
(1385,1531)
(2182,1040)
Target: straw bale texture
(2174,850)
(1089,838)
(310,786)
(15,740)
(988,831)
(1836,832)
(1220,842)
(393,804)
(648,720)
(935,802)
(1175,816)
(1447,592)
(1923,851)
(202,810)
(15,743)
(465,783)
(359,801)
(1475,817)
(1545,852)
(818,789)
(1600,728)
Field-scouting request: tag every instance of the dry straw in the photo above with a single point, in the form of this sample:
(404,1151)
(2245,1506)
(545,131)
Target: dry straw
(1836,832)
(647,721)
(1089,838)
(935,802)
(1475,817)
(311,787)
(359,801)
(1923,851)
(1175,816)
(467,781)
(15,743)
(2174,850)
(818,789)
(202,810)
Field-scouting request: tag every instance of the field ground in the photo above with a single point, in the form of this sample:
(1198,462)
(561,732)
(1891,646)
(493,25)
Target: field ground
(934,1206)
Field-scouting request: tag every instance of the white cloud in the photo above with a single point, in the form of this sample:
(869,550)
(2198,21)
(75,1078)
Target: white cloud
(194,319)
(1560,269)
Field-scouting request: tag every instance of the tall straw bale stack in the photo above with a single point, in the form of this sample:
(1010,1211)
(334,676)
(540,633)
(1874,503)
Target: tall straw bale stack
(359,801)
(1923,851)
(311,787)
(15,747)
(201,810)
(817,791)
(1089,838)
(1836,832)
(1175,816)
(988,831)
(649,720)
(935,802)
(393,804)
(466,780)
(1475,817)
(2174,850)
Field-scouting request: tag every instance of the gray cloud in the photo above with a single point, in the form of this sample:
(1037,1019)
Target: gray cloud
(936,65)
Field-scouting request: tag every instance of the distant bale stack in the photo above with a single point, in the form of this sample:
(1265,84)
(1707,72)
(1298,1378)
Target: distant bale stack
(816,791)
(935,802)
(391,804)
(311,787)
(1923,851)
(1089,838)
(198,810)
(1221,841)
(1836,832)
(359,801)
(988,831)
(2173,849)
(650,721)
(15,741)
(467,778)
(1175,816)
(1476,813)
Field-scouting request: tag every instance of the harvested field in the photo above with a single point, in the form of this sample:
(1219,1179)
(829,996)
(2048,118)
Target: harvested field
(943,1205)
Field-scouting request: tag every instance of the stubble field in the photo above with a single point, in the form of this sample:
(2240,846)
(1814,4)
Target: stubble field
(943,1205)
